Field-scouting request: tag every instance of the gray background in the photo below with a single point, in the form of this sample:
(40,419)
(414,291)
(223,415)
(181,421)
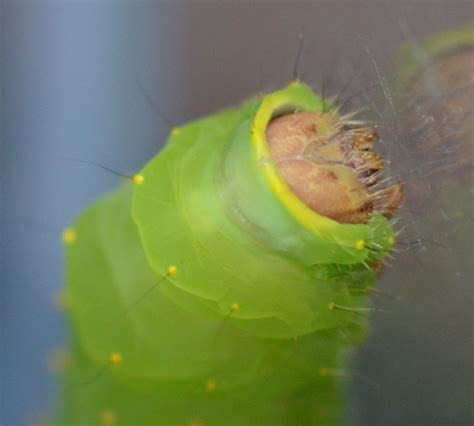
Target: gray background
(102,81)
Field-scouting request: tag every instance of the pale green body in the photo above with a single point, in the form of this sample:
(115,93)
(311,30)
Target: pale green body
(244,333)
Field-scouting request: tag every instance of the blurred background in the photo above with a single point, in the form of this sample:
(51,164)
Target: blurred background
(104,81)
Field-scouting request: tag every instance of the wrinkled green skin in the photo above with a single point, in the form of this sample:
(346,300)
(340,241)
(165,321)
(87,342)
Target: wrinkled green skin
(280,359)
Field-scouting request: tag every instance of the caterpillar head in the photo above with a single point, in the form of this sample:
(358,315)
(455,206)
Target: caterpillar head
(328,162)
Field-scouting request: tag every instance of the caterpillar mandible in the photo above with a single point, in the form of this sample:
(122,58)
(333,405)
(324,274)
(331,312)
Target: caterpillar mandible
(226,285)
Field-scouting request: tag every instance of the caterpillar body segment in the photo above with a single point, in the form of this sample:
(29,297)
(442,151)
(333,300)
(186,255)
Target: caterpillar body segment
(239,218)
(210,292)
(167,354)
(133,404)
(155,338)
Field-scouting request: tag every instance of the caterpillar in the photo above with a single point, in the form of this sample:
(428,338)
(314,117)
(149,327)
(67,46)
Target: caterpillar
(227,284)
(432,308)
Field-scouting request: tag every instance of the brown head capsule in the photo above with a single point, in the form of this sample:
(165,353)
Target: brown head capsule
(329,164)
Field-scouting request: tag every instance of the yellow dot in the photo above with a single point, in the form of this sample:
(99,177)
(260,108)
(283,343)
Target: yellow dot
(331,305)
(171,271)
(391,240)
(196,422)
(360,245)
(138,179)
(324,372)
(175,131)
(108,418)
(295,82)
(235,307)
(115,358)
(211,385)
(68,236)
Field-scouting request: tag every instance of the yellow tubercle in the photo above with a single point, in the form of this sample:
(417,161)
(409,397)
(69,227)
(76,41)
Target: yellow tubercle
(391,240)
(138,179)
(211,386)
(115,358)
(69,236)
(108,418)
(175,131)
(324,372)
(360,245)
(172,271)
(235,307)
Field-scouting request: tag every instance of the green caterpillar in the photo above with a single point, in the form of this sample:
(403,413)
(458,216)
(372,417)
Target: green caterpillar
(218,290)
